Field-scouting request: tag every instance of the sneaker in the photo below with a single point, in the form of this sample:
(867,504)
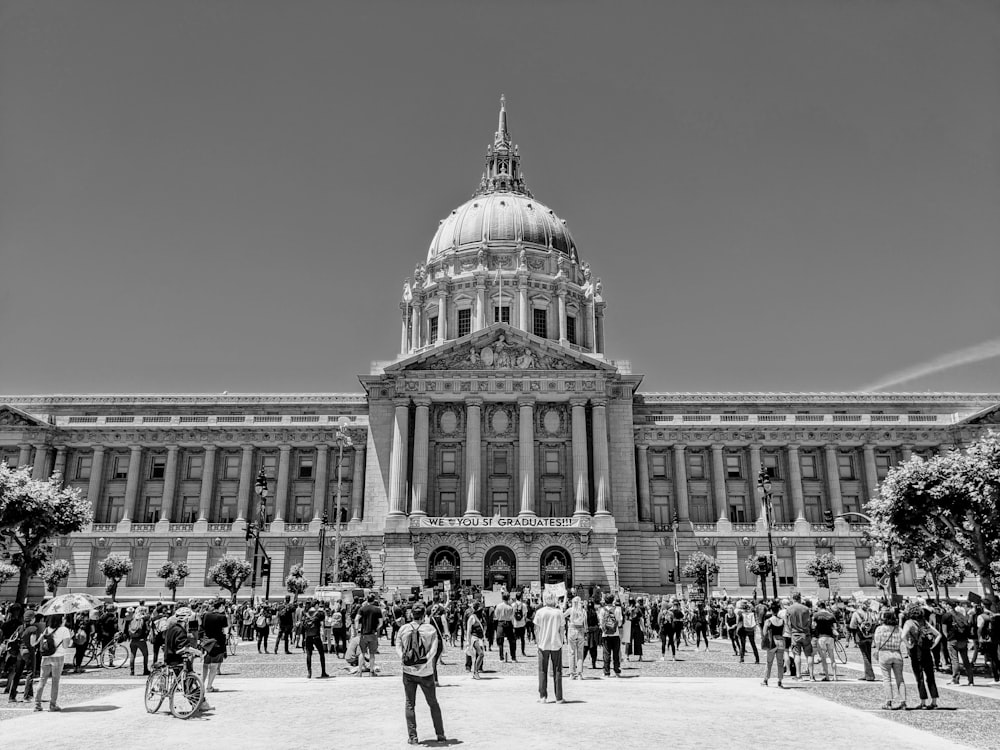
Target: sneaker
(54,707)
(560,701)
(442,738)
(38,706)
(542,700)
(413,741)
(763,683)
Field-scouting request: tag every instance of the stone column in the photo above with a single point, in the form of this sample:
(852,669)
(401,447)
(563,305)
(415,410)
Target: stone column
(60,464)
(795,483)
(905,452)
(41,458)
(562,317)
(871,471)
(602,479)
(281,486)
(207,484)
(473,449)
(245,487)
(833,481)
(599,326)
(415,331)
(169,484)
(754,473)
(398,458)
(421,440)
(480,304)
(358,483)
(642,463)
(132,481)
(581,471)
(403,339)
(322,477)
(588,325)
(23,454)
(522,303)
(526,454)
(719,483)
(96,478)
(442,316)
(681,484)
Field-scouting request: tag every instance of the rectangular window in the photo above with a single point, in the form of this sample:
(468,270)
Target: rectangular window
(448,462)
(464,322)
(500,504)
(540,323)
(814,508)
(83,466)
(861,555)
(157,467)
(195,467)
(734,466)
(227,509)
(551,461)
(446,504)
(786,566)
(293,556)
(552,505)
(571,329)
(772,465)
(852,504)
(807,462)
(845,465)
(189,508)
(214,555)
(700,510)
(778,509)
(737,509)
(883,462)
(661,510)
(116,509)
(501,314)
(151,509)
(306,466)
(696,466)
(500,462)
(746,578)
(432,332)
(658,465)
(303,509)
(140,559)
(231,467)
(269,465)
(94,575)
(120,470)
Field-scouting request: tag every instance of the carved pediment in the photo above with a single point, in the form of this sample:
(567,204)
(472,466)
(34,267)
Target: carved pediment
(988,416)
(499,347)
(12,417)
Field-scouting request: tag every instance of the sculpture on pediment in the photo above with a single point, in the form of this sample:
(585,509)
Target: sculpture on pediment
(522,256)
(502,355)
(420,274)
(9,418)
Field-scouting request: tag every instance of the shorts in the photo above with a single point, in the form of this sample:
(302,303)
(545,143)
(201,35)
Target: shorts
(801,644)
(368,644)
(216,659)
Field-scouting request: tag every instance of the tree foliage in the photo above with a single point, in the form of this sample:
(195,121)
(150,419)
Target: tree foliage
(8,571)
(32,512)
(700,567)
(114,567)
(355,563)
(949,503)
(296,583)
(877,565)
(759,566)
(173,574)
(55,574)
(230,573)
(821,566)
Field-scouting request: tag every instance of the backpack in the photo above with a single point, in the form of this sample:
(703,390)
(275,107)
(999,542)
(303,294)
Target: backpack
(137,627)
(518,611)
(960,625)
(337,619)
(749,619)
(261,621)
(47,644)
(986,631)
(161,625)
(867,627)
(414,648)
(609,623)
(80,637)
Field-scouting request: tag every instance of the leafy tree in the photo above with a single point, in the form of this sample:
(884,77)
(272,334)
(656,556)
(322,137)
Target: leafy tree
(877,565)
(296,583)
(173,574)
(114,567)
(759,565)
(7,571)
(230,573)
(54,574)
(32,511)
(700,567)
(821,566)
(949,502)
(355,563)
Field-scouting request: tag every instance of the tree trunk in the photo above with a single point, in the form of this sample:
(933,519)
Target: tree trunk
(173,594)
(934,582)
(947,594)
(22,584)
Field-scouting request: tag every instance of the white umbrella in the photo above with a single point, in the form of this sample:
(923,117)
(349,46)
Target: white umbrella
(66,603)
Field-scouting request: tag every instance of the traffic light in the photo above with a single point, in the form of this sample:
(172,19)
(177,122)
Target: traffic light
(670,576)
(676,520)
(326,518)
(265,568)
(249,531)
(828,517)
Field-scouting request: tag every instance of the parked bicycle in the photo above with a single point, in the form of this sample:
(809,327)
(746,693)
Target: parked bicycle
(182,686)
(113,655)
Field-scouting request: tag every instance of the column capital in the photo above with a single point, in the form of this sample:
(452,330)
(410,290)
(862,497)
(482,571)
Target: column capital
(523,401)
(869,446)
(211,448)
(679,447)
(419,401)
(718,447)
(40,446)
(24,446)
(60,449)
(574,402)
(135,448)
(754,447)
(473,402)
(792,447)
(245,447)
(831,447)
(643,448)
(285,448)
(322,448)
(401,401)
(599,401)
(99,448)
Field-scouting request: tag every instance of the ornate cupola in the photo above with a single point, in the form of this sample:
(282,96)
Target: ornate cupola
(503,162)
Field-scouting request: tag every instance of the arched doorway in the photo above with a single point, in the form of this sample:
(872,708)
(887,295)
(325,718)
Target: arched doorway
(500,566)
(444,564)
(556,566)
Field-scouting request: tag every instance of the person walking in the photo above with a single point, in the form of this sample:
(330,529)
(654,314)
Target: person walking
(25,656)
(138,639)
(286,623)
(576,637)
(593,644)
(773,640)
(731,624)
(520,621)
(549,639)
(824,622)
(416,644)
(53,644)
(919,638)
(610,618)
(476,630)
(636,615)
(503,613)
(746,628)
(368,622)
(262,627)
(863,624)
(957,628)
(987,624)
(214,625)
(887,650)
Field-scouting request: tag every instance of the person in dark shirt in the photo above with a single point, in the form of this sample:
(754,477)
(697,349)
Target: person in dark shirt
(368,621)
(286,620)
(215,626)
(312,628)
(824,624)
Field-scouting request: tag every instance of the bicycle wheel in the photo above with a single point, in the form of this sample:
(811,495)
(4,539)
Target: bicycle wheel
(156,690)
(115,656)
(840,651)
(187,695)
(90,654)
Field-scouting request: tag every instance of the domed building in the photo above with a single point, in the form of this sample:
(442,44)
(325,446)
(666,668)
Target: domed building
(500,446)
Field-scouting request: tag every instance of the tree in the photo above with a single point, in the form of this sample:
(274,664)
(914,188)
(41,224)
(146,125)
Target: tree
(877,565)
(760,566)
(949,502)
(114,567)
(355,563)
(7,571)
(296,583)
(230,573)
(700,567)
(32,511)
(173,574)
(821,566)
(54,574)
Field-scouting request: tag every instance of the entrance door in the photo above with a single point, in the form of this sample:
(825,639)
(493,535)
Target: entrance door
(557,567)
(443,565)
(500,566)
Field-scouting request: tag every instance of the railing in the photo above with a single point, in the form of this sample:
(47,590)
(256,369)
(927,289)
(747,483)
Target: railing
(144,527)
(662,527)
(820,527)
(227,419)
(859,527)
(809,418)
(705,526)
(103,527)
(220,526)
(697,417)
(744,527)
(856,419)
(296,527)
(734,417)
(182,527)
(782,527)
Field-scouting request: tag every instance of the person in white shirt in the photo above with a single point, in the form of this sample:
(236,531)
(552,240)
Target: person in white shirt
(59,638)
(416,644)
(549,635)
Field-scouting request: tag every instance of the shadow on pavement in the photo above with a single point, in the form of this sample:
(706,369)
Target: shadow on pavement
(89,709)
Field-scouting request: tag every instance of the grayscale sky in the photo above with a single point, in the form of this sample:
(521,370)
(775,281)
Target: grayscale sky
(779,195)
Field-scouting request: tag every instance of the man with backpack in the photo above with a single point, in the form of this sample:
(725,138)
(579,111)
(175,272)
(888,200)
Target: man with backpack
(863,624)
(138,634)
(53,645)
(957,628)
(520,624)
(416,644)
(286,620)
(610,619)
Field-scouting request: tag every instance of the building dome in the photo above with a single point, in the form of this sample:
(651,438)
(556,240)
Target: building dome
(504,219)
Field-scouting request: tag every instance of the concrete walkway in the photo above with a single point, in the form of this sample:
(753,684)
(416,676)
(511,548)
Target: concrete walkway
(349,712)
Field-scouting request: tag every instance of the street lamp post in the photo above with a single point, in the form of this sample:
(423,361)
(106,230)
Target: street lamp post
(381,563)
(260,489)
(764,482)
(342,439)
(614,557)
(888,552)
(677,557)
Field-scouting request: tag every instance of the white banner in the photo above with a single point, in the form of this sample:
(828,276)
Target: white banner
(497,523)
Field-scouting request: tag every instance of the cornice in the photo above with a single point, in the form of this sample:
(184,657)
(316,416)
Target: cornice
(234,399)
(818,397)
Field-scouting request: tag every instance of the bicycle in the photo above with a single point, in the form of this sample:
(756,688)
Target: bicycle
(113,655)
(182,685)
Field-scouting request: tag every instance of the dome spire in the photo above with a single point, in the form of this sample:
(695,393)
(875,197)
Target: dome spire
(503,163)
(502,137)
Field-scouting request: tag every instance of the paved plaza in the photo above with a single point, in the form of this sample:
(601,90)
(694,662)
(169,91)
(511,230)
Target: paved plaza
(705,701)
